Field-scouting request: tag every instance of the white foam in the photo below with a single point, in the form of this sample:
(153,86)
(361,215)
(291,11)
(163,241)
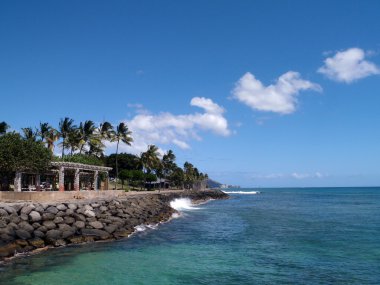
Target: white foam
(182,204)
(242,192)
(176,215)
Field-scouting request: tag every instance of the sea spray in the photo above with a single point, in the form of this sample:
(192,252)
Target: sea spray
(182,204)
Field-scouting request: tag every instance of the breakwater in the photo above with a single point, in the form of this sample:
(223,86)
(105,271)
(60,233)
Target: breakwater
(29,226)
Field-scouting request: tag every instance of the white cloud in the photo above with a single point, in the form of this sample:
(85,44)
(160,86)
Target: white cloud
(169,129)
(348,66)
(307,175)
(280,97)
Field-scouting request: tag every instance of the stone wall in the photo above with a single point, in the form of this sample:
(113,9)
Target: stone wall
(26,227)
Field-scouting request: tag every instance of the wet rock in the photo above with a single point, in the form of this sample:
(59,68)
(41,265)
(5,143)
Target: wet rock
(22,242)
(39,234)
(53,235)
(67,234)
(9,249)
(25,226)
(96,233)
(37,242)
(110,228)
(76,239)
(43,229)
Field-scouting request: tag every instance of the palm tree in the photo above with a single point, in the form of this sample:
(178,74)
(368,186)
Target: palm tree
(29,134)
(66,126)
(122,134)
(106,130)
(3,127)
(168,163)
(150,159)
(86,133)
(48,134)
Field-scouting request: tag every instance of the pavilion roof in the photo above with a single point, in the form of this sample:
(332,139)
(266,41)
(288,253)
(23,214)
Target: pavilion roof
(80,166)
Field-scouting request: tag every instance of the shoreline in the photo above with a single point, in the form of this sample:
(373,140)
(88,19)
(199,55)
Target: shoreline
(32,228)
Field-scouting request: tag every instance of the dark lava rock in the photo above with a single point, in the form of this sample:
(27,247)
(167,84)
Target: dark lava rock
(23,234)
(52,210)
(96,233)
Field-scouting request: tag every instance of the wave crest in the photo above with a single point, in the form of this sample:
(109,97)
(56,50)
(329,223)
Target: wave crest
(182,204)
(242,192)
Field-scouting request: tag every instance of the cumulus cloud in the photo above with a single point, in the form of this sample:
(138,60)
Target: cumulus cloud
(307,175)
(169,129)
(348,66)
(280,97)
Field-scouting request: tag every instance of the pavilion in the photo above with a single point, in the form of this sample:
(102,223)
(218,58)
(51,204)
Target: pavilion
(64,176)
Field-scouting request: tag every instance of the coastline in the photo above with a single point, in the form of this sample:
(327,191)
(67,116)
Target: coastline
(30,228)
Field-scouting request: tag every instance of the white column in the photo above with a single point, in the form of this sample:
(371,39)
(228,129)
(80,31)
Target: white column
(76,180)
(61,178)
(17,182)
(96,175)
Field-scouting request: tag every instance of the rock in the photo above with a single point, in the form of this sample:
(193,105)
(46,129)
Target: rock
(6,238)
(14,218)
(95,205)
(110,228)
(61,207)
(69,220)
(88,208)
(53,235)
(23,234)
(9,209)
(72,206)
(43,229)
(60,214)
(58,243)
(122,233)
(76,239)
(89,213)
(39,209)
(58,220)
(96,233)
(79,224)
(49,225)
(9,249)
(3,224)
(25,226)
(39,234)
(96,225)
(103,209)
(48,216)
(27,209)
(24,217)
(3,213)
(12,225)
(64,227)
(21,242)
(67,234)
(34,216)
(69,212)
(52,210)
(37,242)
(79,217)
(36,225)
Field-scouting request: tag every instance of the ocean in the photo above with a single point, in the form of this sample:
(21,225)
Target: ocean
(277,236)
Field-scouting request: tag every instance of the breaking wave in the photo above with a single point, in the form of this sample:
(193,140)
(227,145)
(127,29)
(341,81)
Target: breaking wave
(242,192)
(182,204)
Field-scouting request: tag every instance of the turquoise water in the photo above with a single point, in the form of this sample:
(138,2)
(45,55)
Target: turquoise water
(280,236)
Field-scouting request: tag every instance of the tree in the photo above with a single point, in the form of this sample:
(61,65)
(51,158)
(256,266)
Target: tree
(3,128)
(86,134)
(66,126)
(177,177)
(124,161)
(124,135)
(168,164)
(48,134)
(150,159)
(17,154)
(125,175)
(189,174)
(29,134)
(150,177)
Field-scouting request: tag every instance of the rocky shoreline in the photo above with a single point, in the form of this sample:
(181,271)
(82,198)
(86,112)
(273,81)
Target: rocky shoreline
(27,227)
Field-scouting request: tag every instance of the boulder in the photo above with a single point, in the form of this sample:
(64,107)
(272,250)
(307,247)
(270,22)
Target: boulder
(3,213)
(60,214)
(27,209)
(76,239)
(25,226)
(53,235)
(69,220)
(23,234)
(61,207)
(88,208)
(14,218)
(3,224)
(96,225)
(96,233)
(69,212)
(58,220)
(37,242)
(52,210)
(35,216)
(67,234)
(9,209)
(110,228)
(24,217)
(72,206)
(43,229)
(39,234)
(79,217)
(64,227)
(9,249)
(89,213)
(36,225)
(49,225)
(79,224)
(48,216)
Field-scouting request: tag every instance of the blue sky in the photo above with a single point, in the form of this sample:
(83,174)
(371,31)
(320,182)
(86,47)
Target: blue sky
(202,78)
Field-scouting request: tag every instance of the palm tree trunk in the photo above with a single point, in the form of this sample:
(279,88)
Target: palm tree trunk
(63,147)
(117,168)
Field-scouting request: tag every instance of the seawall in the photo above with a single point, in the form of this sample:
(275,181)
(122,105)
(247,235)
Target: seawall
(29,226)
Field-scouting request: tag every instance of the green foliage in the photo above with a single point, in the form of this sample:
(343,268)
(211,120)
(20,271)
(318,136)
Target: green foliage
(125,175)
(3,127)
(17,154)
(150,177)
(82,158)
(124,160)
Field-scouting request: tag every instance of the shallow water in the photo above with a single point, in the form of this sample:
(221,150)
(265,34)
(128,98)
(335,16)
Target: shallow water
(279,236)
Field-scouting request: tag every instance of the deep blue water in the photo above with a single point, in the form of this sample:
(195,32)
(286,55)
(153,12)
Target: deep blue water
(280,236)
